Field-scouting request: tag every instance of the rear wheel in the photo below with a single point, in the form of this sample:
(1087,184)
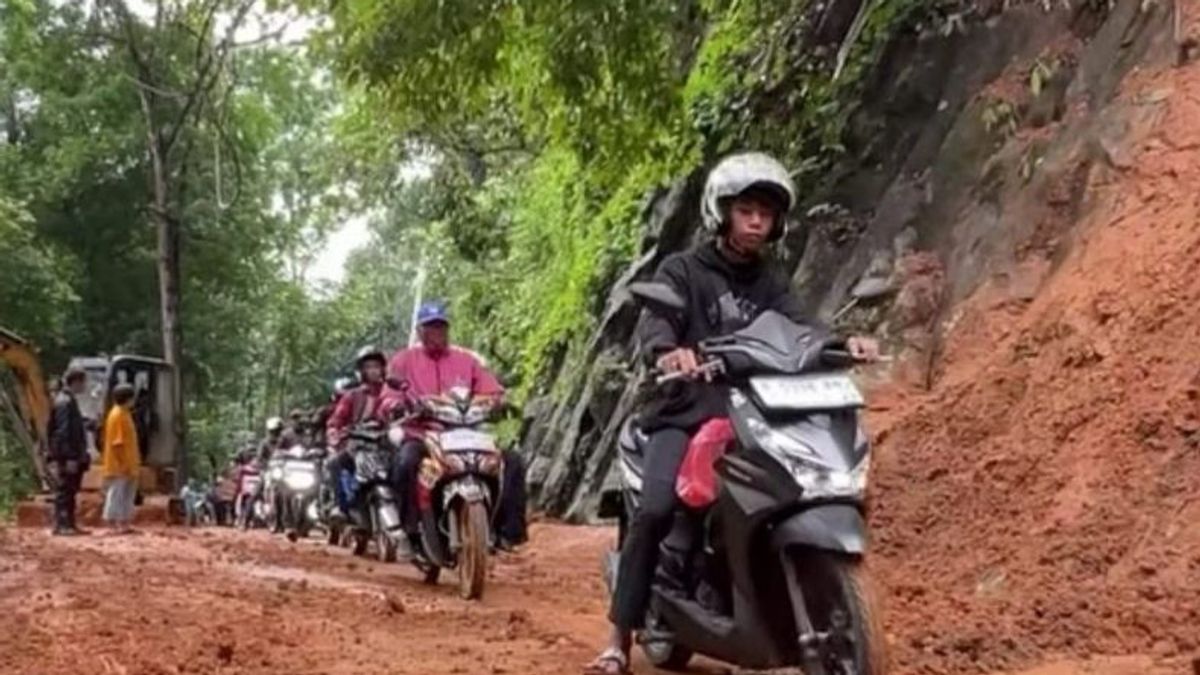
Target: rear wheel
(841,602)
(472,557)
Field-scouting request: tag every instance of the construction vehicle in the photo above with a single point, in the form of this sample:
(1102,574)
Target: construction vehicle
(26,398)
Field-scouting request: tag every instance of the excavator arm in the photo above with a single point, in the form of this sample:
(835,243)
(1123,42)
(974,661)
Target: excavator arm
(29,404)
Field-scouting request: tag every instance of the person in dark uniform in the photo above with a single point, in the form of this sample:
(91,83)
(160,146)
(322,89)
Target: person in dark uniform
(67,451)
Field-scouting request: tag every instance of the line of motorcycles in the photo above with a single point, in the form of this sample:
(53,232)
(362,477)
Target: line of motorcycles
(458,490)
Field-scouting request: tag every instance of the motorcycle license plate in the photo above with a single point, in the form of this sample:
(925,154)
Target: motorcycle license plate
(806,392)
(466,439)
(371,465)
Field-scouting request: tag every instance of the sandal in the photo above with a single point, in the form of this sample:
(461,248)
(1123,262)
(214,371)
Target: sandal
(610,662)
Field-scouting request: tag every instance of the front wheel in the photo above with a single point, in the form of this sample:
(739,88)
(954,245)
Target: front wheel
(246,516)
(361,540)
(385,547)
(662,652)
(277,515)
(431,574)
(472,557)
(841,602)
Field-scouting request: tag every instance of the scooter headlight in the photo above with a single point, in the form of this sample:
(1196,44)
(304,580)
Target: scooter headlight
(816,480)
(276,473)
(300,480)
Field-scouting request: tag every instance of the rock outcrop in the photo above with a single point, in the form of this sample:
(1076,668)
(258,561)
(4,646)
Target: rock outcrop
(968,160)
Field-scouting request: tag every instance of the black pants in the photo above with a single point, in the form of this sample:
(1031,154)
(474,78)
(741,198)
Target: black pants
(64,497)
(510,512)
(404,480)
(647,528)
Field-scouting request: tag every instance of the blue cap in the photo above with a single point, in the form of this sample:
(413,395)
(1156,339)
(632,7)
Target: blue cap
(431,312)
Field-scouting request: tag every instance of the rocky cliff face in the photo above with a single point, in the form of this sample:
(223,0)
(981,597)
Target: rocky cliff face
(969,159)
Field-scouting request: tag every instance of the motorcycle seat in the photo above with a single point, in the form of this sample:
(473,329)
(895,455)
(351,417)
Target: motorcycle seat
(632,440)
(631,443)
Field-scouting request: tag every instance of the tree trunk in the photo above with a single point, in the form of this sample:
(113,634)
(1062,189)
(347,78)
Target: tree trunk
(168,286)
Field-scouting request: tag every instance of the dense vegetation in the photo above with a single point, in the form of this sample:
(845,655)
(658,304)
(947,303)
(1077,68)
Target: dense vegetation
(500,149)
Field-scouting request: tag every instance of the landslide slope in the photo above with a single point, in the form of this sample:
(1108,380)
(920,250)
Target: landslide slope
(1043,498)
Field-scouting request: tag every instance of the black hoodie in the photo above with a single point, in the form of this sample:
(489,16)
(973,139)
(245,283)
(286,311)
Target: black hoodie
(722,296)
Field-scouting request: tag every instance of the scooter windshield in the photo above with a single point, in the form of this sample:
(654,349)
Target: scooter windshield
(772,343)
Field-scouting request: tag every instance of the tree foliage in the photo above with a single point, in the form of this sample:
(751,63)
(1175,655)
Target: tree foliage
(499,150)
(552,120)
(258,189)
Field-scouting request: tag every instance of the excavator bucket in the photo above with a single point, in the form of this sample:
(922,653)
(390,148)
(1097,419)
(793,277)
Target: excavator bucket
(24,398)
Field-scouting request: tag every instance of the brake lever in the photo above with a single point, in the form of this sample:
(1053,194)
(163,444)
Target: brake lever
(709,368)
(842,356)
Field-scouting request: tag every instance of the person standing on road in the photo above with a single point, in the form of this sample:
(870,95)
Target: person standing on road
(67,454)
(121,462)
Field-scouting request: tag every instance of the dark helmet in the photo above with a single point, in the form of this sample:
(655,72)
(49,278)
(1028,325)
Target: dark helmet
(369,353)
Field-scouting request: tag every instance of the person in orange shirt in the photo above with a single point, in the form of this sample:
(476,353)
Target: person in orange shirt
(121,462)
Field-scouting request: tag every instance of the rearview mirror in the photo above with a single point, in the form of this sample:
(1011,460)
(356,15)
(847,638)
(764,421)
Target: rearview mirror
(657,295)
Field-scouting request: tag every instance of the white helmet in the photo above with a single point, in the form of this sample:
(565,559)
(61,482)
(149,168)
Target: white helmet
(737,173)
(274,424)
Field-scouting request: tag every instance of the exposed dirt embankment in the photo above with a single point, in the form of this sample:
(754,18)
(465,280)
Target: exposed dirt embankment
(1044,498)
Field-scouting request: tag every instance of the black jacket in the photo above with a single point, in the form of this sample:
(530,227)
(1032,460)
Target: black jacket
(722,297)
(68,437)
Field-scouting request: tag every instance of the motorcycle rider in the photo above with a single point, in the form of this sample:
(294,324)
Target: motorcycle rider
(430,368)
(248,462)
(371,399)
(321,418)
(726,283)
(296,429)
(271,442)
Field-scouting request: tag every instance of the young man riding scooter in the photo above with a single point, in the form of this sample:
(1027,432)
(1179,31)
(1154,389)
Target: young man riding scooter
(726,283)
(370,400)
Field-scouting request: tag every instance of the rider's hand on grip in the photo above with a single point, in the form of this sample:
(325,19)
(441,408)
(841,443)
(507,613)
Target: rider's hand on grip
(863,349)
(681,362)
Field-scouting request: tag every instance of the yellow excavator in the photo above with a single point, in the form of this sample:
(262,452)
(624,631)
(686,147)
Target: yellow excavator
(26,399)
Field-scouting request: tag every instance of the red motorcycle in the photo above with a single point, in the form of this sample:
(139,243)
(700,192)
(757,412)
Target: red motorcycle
(458,488)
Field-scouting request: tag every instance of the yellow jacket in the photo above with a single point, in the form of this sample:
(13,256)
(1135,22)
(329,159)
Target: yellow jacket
(121,454)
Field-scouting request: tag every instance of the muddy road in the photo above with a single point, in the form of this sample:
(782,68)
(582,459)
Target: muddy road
(218,601)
